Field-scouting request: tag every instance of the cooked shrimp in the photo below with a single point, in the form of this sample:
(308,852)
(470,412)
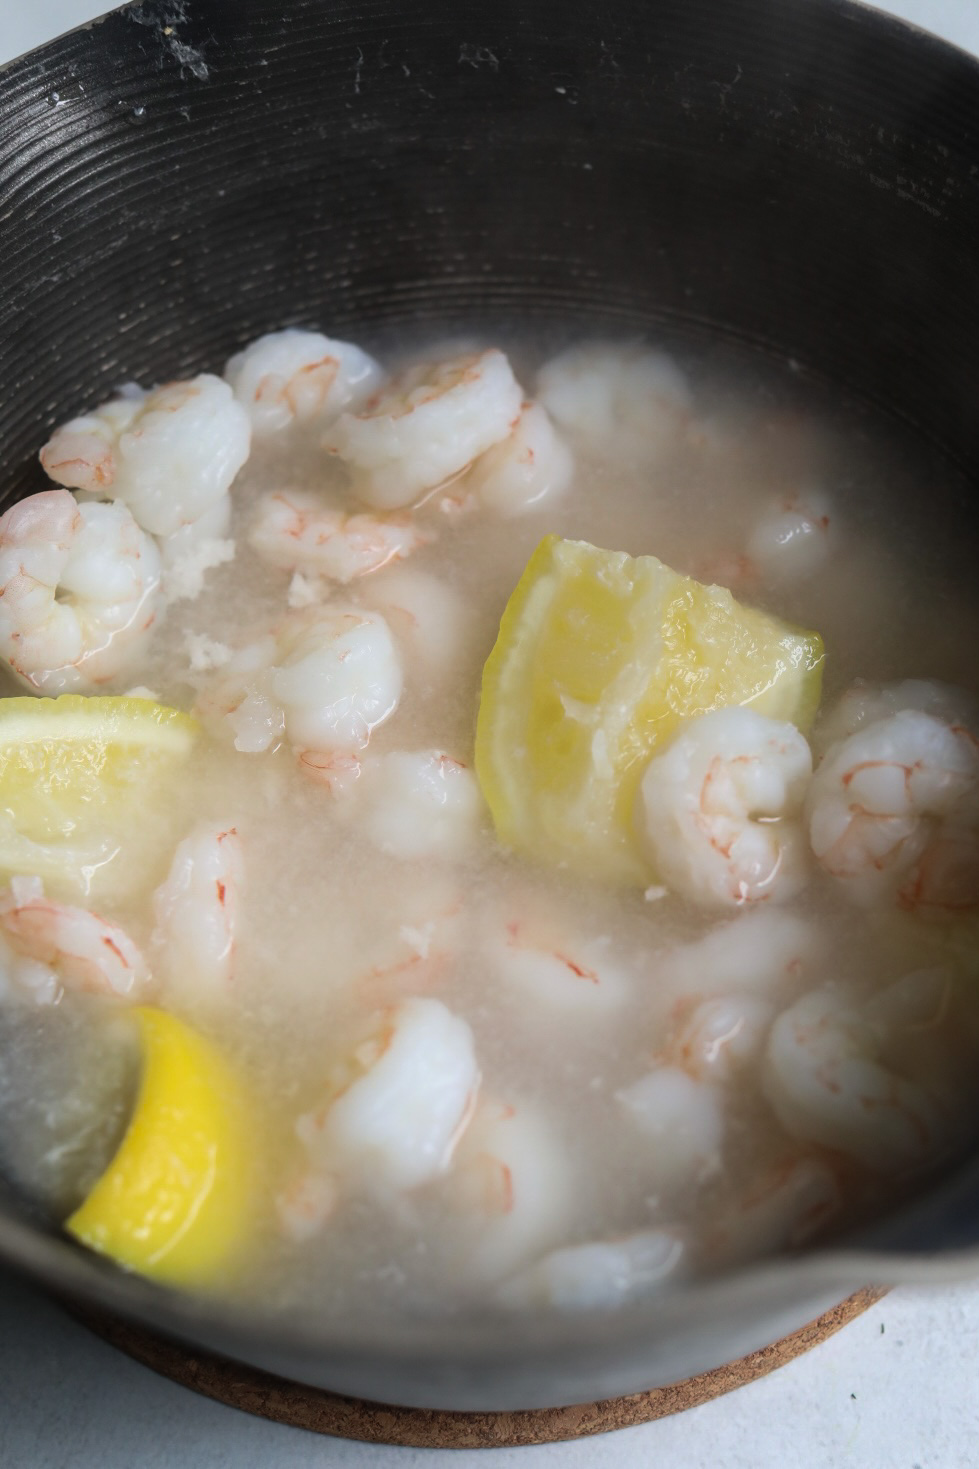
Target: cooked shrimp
(827,1082)
(412,951)
(792,537)
(511,1188)
(87,953)
(196,912)
(420,803)
(620,398)
(763,952)
(79,589)
(170,455)
(397,1106)
(682,1118)
(784,1209)
(867,703)
(324,678)
(603,1275)
(426,426)
(720,1037)
(296,376)
(297,532)
(553,972)
(721,808)
(894,814)
(530,466)
(433,623)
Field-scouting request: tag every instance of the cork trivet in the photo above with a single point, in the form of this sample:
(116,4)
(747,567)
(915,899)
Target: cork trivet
(323,1412)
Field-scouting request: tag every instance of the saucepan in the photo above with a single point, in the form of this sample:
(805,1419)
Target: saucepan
(798,175)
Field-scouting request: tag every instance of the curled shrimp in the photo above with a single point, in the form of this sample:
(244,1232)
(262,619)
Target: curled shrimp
(421,803)
(552,972)
(170,455)
(827,1081)
(763,952)
(721,808)
(296,376)
(511,1189)
(617,397)
(602,1275)
(324,678)
(413,950)
(196,912)
(426,426)
(297,532)
(790,1204)
(79,589)
(397,1105)
(681,1119)
(433,623)
(894,814)
(530,466)
(86,953)
(793,536)
(716,1039)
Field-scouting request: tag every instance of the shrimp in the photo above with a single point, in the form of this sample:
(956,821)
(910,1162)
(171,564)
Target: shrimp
(682,1118)
(603,1275)
(792,537)
(720,809)
(170,455)
(86,952)
(787,1207)
(826,1080)
(297,532)
(398,1104)
(296,376)
(324,679)
(761,953)
(530,466)
(722,1036)
(555,974)
(893,814)
(427,426)
(434,625)
(196,912)
(622,398)
(418,803)
(511,1189)
(413,953)
(79,590)
(866,703)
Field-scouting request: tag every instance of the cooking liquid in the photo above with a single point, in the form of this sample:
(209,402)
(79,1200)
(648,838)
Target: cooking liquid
(323,909)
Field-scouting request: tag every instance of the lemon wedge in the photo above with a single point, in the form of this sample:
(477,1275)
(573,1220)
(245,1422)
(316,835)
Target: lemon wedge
(175,1201)
(78,776)
(600,656)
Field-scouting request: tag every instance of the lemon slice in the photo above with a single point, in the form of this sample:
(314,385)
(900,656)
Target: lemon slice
(78,776)
(174,1203)
(599,658)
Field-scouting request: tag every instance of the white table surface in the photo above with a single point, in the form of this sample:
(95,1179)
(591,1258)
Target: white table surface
(897,1389)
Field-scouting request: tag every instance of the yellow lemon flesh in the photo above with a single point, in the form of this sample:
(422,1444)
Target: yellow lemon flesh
(175,1202)
(600,656)
(78,776)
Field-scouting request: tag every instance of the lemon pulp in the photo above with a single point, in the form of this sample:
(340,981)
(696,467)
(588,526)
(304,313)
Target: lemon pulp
(78,776)
(175,1201)
(600,657)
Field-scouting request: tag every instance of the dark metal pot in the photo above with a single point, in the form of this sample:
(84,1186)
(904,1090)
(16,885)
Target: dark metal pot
(802,175)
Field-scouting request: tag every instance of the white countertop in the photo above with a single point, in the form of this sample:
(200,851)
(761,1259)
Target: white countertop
(897,1389)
